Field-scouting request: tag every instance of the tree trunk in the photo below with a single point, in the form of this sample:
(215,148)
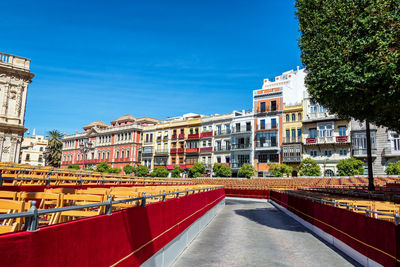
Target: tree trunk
(371,186)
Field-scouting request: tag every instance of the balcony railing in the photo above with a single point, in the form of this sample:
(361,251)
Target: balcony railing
(180,150)
(268,110)
(241,146)
(181,136)
(318,116)
(192,150)
(174,136)
(161,151)
(173,150)
(391,151)
(206,134)
(194,136)
(362,152)
(291,159)
(297,139)
(223,132)
(241,130)
(327,140)
(14,61)
(222,148)
(206,149)
(267,144)
(267,126)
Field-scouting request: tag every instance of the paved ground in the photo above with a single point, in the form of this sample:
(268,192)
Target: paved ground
(257,234)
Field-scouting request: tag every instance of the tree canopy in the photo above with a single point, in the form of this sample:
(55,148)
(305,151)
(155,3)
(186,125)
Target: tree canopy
(279,170)
(141,171)
(197,170)
(247,170)
(54,148)
(349,167)
(73,166)
(176,171)
(222,170)
(128,169)
(160,172)
(308,167)
(393,168)
(351,50)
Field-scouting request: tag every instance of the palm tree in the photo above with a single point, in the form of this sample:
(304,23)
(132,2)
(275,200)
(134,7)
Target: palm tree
(54,149)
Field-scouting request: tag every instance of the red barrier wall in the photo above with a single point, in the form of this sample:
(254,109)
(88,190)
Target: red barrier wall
(376,239)
(126,238)
(247,193)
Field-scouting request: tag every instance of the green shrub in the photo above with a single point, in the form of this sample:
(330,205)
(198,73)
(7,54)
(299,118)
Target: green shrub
(102,167)
(141,171)
(309,167)
(176,172)
(393,168)
(349,167)
(160,172)
(278,170)
(222,170)
(128,169)
(197,170)
(247,170)
(73,166)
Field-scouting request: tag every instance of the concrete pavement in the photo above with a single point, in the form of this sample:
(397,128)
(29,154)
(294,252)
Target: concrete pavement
(257,234)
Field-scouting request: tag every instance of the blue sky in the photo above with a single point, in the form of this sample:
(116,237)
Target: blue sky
(98,60)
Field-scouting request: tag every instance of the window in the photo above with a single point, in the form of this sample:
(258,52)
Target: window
(262,107)
(130,136)
(108,154)
(262,124)
(343,152)
(248,126)
(204,143)
(273,123)
(218,159)
(237,127)
(117,154)
(313,153)
(219,129)
(104,155)
(328,153)
(313,132)
(209,142)
(228,128)
(293,117)
(227,159)
(325,130)
(342,130)
(40,158)
(288,135)
(287,117)
(293,134)
(27,157)
(299,116)
(273,105)
(122,153)
(313,108)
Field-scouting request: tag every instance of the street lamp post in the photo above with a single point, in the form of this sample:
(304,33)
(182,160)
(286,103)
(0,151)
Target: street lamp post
(85,147)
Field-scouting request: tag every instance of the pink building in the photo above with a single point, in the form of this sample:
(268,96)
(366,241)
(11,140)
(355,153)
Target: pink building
(118,144)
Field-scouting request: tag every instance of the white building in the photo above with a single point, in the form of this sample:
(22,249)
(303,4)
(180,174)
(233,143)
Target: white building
(32,150)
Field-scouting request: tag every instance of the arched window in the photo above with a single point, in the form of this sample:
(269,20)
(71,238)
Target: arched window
(329,173)
(287,117)
(117,154)
(128,153)
(122,154)
(293,117)
(108,154)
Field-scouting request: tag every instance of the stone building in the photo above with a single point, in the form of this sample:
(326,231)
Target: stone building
(32,150)
(14,80)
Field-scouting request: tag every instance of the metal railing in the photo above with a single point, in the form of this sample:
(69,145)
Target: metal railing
(32,215)
(368,212)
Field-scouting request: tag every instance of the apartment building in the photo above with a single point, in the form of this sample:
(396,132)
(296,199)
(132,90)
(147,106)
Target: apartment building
(118,143)
(326,137)
(268,103)
(292,144)
(32,150)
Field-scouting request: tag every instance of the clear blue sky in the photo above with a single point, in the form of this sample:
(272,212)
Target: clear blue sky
(98,60)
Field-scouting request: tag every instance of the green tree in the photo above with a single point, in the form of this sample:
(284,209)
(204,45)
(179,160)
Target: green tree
(222,170)
(393,168)
(114,170)
(351,50)
(279,170)
(73,166)
(102,167)
(197,170)
(247,170)
(54,149)
(159,172)
(176,172)
(141,171)
(128,169)
(349,167)
(309,167)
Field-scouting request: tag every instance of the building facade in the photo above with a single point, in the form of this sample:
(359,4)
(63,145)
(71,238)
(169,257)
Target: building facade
(15,77)
(32,150)
(118,144)
(292,144)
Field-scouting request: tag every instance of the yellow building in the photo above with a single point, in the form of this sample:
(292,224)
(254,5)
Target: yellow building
(292,134)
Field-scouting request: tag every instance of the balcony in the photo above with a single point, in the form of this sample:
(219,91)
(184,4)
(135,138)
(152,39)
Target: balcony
(180,150)
(194,136)
(173,150)
(362,152)
(268,110)
(390,151)
(161,151)
(288,140)
(14,61)
(206,149)
(223,132)
(241,146)
(327,140)
(192,150)
(122,160)
(292,159)
(241,130)
(181,136)
(316,116)
(267,145)
(222,148)
(206,134)
(267,126)
(174,137)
